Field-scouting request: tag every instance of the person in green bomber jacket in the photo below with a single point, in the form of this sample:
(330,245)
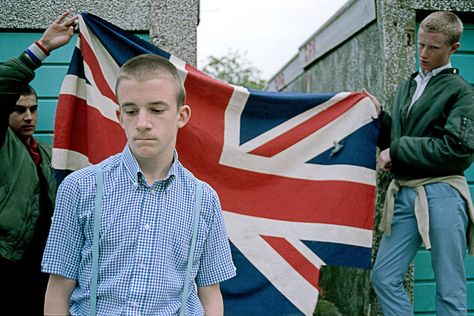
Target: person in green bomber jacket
(27,187)
(427,143)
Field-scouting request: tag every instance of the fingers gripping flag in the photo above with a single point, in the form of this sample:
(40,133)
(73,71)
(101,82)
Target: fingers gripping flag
(295,172)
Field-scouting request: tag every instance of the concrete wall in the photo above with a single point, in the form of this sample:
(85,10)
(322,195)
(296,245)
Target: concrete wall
(174,27)
(172,24)
(352,66)
(353,17)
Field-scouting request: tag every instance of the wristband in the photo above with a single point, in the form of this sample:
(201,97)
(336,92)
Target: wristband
(36,54)
(47,52)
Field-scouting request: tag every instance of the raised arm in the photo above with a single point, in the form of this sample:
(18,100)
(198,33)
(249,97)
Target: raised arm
(5,109)
(59,33)
(17,72)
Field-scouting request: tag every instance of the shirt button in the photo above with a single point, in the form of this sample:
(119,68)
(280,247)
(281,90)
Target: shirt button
(134,303)
(147,226)
(141,265)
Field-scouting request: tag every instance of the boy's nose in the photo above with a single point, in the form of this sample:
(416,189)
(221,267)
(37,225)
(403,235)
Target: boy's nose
(28,115)
(143,121)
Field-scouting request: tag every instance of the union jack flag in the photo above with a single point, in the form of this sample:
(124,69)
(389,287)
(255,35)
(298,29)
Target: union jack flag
(295,172)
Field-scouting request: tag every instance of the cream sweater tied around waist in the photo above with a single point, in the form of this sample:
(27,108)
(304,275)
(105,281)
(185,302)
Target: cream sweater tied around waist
(421,205)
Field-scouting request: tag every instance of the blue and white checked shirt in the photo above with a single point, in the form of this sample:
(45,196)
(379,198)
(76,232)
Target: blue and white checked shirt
(145,235)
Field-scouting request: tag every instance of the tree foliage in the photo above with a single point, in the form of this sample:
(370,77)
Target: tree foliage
(235,69)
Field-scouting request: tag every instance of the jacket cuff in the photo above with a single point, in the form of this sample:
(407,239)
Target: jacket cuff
(394,153)
(33,56)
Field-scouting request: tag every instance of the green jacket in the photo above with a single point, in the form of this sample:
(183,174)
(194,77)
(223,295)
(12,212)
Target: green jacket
(16,72)
(19,180)
(436,138)
(20,194)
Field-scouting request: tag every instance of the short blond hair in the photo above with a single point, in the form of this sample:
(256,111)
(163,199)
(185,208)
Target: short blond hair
(149,66)
(444,22)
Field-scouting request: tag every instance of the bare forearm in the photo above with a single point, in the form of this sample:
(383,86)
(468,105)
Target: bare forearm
(58,294)
(18,72)
(211,300)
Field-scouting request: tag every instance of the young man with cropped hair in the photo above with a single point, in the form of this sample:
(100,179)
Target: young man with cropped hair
(427,143)
(147,215)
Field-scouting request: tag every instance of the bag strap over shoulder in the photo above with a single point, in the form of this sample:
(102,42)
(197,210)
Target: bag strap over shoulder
(197,212)
(95,241)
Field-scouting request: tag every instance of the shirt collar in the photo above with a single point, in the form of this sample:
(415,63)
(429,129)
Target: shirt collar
(134,170)
(434,72)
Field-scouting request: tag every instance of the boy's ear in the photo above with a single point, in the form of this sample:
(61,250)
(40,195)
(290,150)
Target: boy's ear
(184,113)
(455,47)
